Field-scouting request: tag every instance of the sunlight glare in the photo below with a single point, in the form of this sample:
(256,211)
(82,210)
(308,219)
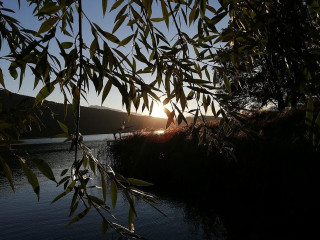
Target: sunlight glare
(157,111)
(159,132)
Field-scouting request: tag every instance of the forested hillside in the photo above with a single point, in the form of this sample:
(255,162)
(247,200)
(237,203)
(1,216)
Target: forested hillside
(93,120)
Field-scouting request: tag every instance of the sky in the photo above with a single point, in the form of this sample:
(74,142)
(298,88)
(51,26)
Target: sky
(93,9)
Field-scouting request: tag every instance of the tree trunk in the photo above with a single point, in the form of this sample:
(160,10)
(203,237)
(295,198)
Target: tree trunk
(281,103)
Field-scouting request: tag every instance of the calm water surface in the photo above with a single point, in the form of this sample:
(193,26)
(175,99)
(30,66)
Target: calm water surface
(23,217)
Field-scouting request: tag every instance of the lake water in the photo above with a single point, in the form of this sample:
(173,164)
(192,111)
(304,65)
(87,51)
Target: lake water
(23,217)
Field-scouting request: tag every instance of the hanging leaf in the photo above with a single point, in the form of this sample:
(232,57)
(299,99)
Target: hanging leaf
(44,92)
(170,119)
(165,13)
(96,200)
(151,108)
(66,45)
(63,180)
(114,194)
(138,182)
(103,185)
(32,179)
(47,9)
(47,25)
(69,188)
(64,172)
(130,219)
(2,79)
(104,6)
(7,172)
(116,4)
(106,90)
(85,160)
(73,209)
(63,127)
(79,216)
(13,72)
(92,165)
(125,41)
(104,226)
(119,23)
(44,168)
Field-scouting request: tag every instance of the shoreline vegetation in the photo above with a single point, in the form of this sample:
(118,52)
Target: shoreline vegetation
(267,190)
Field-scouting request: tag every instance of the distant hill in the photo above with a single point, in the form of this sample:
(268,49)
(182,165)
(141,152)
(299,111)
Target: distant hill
(94,120)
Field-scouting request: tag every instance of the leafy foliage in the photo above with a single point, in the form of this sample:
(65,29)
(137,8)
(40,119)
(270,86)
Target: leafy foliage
(173,66)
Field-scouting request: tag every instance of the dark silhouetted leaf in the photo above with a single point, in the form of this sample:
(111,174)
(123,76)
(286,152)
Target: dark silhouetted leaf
(104,6)
(66,45)
(106,90)
(63,127)
(138,182)
(44,168)
(114,194)
(7,172)
(64,172)
(44,92)
(79,216)
(104,226)
(32,179)
(47,25)
(116,4)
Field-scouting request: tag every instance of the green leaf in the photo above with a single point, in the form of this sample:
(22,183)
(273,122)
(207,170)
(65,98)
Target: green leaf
(116,4)
(165,13)
(92,165)
(1,78)
(74,204)
(119,23)
(44,92)
(32,179)
(151,108)
(66,45)
(7,171)
(170,119)
(79,216)
(104,6)
(130,218)
(106,90)
(114,194)
(85,160)
(96,200)
(104,226)
(126,40)
(47,25)
(69,188)
(138,182)
(13,72)
(63,180)
(192,14)
(64,172)
(63,127)
(93,47)
(73,208)
(49,9)
(44,168)
(103,184)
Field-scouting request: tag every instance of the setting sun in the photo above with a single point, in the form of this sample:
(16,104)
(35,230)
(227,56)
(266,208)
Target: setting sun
(157,111)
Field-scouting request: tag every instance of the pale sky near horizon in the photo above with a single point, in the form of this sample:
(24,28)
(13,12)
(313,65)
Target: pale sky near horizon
(93,9)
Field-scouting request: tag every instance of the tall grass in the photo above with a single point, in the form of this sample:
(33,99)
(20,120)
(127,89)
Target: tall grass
(272,181)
